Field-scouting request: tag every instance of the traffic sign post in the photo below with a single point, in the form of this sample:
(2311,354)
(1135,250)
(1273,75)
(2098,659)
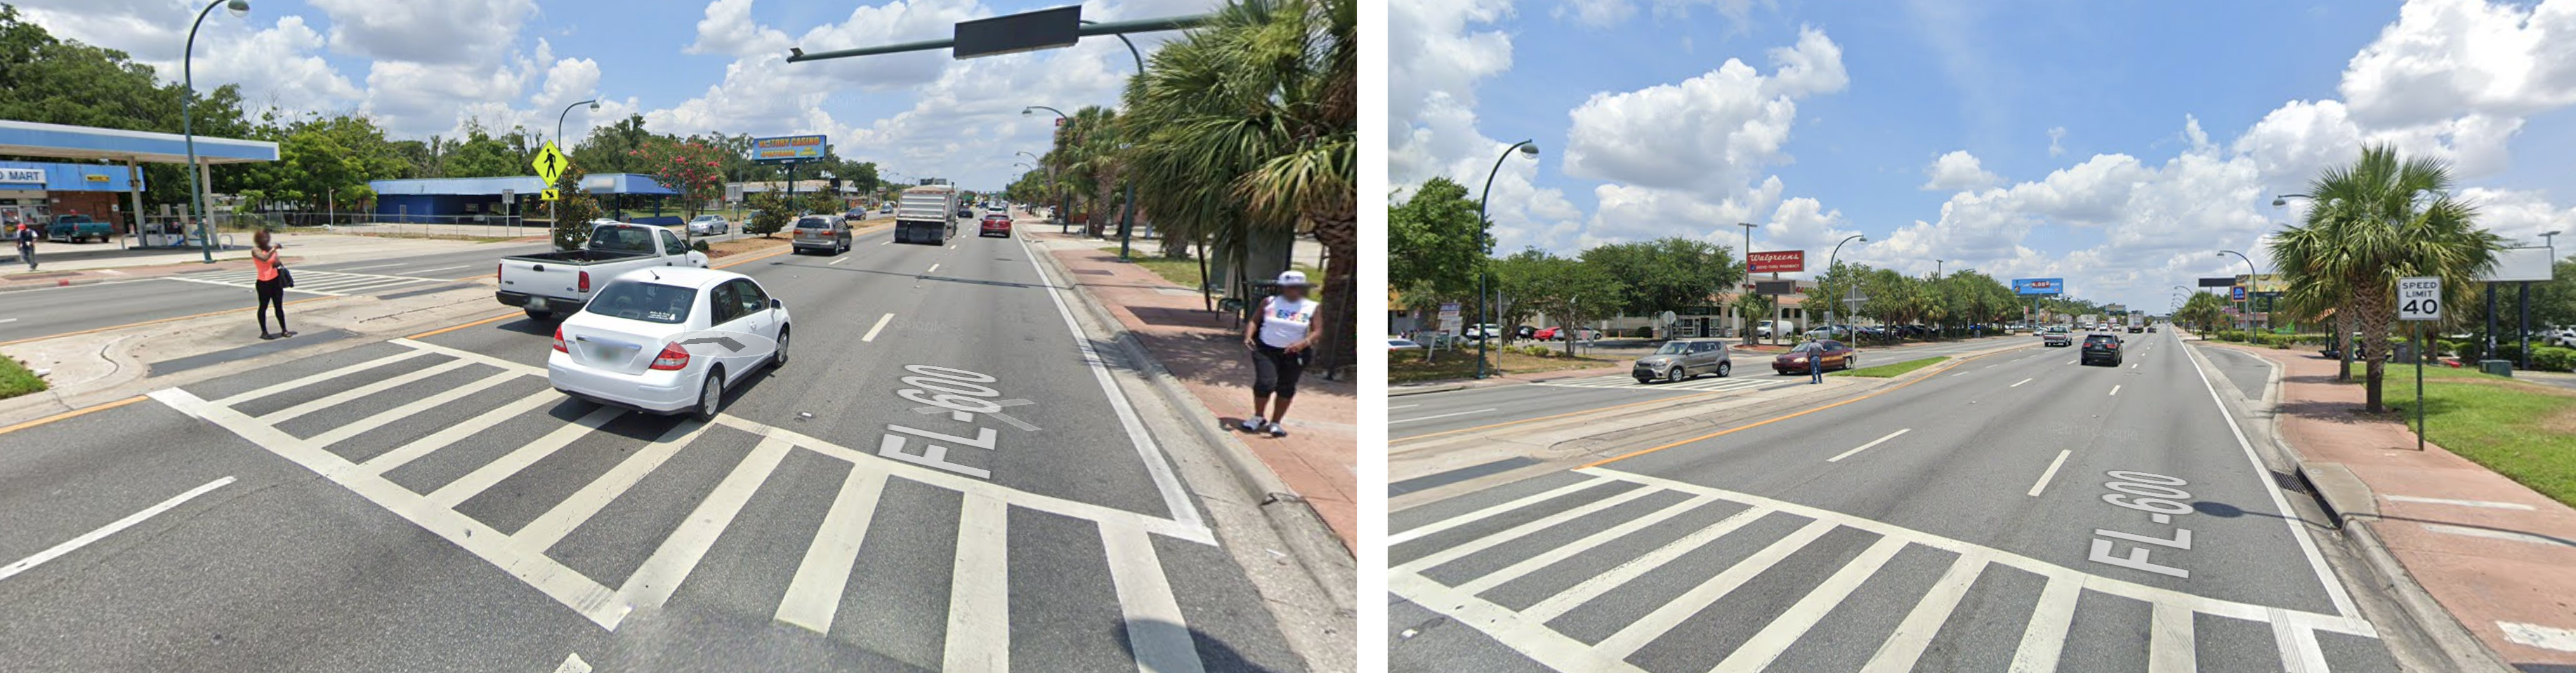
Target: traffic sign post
(2419,300)
(550,164)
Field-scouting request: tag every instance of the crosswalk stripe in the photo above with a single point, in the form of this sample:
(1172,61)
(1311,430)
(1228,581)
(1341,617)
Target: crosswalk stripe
(1523,632)
(1785,628)
(1912,636)
(1479,515)
(653,583)
(1550,557)
(1655,624)
(1592,587)
(2044,636)
(2170,645)
(413,450)
(1517,532)
(342,397)
(1152,614)
(474,483)
(824,574)
(407,409)
(299,383)
(547,529)
(979,584)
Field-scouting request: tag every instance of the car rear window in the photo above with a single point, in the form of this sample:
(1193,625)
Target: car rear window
(648,302)
(814,223)
(622,239)
(2101,339)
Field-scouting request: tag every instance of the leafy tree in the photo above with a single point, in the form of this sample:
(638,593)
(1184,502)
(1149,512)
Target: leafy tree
(1667,273)
(1567,290)
(772,216)
(689,167)
(483,155)
(574,209)
(1434,241)
(2380,219)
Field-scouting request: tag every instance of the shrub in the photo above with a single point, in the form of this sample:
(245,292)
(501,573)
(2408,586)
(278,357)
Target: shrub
(2553,358)
(701,246)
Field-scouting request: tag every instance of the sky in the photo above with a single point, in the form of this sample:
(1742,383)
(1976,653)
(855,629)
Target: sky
(2119,145)
(422,68)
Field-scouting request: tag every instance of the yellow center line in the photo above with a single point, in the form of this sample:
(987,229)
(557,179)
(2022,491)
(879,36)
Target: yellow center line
(72,413)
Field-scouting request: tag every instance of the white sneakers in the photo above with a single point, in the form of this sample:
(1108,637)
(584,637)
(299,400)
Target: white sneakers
(1276,431)
(1254,424)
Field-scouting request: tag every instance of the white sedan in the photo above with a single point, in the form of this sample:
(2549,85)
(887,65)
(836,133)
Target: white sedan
(706,225)
(668,340)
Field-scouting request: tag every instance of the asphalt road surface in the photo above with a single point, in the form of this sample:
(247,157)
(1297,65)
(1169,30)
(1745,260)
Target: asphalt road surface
(1429,414)
(431,504)
(2016,512)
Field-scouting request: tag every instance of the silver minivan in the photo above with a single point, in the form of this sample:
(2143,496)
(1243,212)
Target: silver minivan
(828,233)
(1683,359)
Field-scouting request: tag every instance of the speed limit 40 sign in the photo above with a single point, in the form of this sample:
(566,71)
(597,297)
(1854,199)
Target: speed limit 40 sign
(2419,298)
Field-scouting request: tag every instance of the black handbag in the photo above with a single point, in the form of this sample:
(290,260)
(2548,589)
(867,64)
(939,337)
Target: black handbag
(284,277)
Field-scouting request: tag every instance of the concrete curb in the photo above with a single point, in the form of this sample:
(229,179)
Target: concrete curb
(1400,391)
(2354,509)
(1304,531)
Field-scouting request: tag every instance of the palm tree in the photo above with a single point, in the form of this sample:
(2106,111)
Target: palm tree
(1086,161)
(1251,123)
(2374,222)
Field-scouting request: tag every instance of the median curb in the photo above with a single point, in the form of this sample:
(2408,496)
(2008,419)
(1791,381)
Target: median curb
(1303,530)
(1400,391)
(2354,509)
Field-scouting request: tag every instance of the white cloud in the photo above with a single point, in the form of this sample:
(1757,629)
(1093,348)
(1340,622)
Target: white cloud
(1711,131)
(2055,136)
(449,32)
(2444,59)
(1956,171)
(1607,13)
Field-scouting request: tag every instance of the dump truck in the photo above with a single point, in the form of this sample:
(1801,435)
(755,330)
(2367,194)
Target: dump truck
(926,215)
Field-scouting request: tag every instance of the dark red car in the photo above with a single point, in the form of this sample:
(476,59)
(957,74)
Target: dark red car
(1827,352)
(996,224)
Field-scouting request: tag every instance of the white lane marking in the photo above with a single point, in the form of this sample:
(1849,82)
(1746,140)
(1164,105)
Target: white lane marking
(380,385)
(1912,636)
(407,409)
(8,319)
(1655,624)
(1154,625)
(952,246)
(815,595)
(837,262)
(2489,504)
(881,323)
(2133,365)
(2017,385)
(980,601)
(885,242)
(572,663)
(934,268)
(1517,532)
(406,453)
(2525,538)
(1550,557)
(2170,643)
(2045,635)
(1426,418)
(1592,587)
(1865,447)
(1410,535)
(1784,630)
(2543,637)
(2051,473)
(483,478)
(2280,503)
(552,526)
(2070,362)
(652,583)
(317,378)
(1399,406)
(74,544)
(1177,501)
(2115,390)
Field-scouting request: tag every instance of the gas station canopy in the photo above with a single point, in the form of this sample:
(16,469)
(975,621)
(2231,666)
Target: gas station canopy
(30,139)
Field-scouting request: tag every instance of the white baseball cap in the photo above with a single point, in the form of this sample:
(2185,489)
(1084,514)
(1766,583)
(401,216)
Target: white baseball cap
(1295,278)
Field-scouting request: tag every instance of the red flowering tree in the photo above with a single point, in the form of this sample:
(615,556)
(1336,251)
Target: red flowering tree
(694,169)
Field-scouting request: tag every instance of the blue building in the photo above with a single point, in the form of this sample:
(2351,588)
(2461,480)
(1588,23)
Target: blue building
(451,199)
(39,190)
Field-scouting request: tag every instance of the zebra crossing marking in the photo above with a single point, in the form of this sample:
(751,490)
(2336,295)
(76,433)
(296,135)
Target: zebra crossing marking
(328,283)
(1622,381)
(1157,635)
(2172,642)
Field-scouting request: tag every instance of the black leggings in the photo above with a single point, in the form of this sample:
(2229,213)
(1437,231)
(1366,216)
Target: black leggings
(1275,370)
(271,293)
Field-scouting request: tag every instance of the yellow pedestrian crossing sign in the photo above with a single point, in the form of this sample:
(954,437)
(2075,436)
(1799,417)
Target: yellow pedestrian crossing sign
(550,163)
(549,194)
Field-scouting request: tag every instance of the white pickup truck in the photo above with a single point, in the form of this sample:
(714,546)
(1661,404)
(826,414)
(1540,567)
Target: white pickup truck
(561,282)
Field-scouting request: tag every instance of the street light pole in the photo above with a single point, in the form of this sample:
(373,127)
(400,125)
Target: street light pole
(1127,215)
(1061,120)
(559,122)
(1744,319)
(187,128)
(1485,263)
(2253,281)
(1829,268)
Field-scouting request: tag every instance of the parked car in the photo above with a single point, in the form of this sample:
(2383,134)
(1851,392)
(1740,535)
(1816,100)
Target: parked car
(1826,353)
(1560,333)
(1684,359)
(561,282)
(996,224)
(657,341)
(827,233)
(709,225)
(76,228)
(1401,344)
(2103,348)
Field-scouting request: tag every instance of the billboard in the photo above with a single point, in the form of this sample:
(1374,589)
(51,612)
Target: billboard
(788,149)
(2515,265)
(2037,286)
(1789,261)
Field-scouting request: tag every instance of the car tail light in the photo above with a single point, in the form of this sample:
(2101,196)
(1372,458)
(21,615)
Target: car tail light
(2113,346)
(673,358)
(559,342)
(496,271)
(585,281)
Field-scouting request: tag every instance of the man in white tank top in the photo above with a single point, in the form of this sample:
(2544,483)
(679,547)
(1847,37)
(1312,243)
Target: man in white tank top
(1282,338)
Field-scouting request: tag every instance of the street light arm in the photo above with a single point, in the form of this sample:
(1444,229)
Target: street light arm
(1485,256)
(187,124)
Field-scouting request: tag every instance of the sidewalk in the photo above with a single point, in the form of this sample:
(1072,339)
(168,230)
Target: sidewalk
(60,264)
(2496,555)
(1319,457)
